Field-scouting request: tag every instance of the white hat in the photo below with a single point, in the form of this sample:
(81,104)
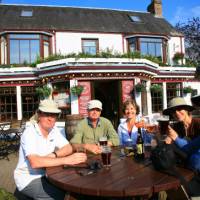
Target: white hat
(175,103)
(48,106)
(94,104)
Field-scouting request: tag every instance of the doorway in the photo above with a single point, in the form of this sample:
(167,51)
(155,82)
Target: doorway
(108,93)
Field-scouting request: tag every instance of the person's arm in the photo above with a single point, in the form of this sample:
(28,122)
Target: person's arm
(77,140)
(180,142)
(192,146)
(37,161)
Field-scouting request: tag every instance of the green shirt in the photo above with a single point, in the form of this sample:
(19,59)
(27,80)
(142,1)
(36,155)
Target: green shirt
(86,134)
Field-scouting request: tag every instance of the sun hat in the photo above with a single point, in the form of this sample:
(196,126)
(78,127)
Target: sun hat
(49,106)
(195,100)
(94,104)
(176,103)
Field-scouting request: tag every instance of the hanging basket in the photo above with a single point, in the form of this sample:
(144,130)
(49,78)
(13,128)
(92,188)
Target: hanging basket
(77,90)
(139,87)
(156,88)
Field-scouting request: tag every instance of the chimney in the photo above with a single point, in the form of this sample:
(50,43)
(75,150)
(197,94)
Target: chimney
(155,7)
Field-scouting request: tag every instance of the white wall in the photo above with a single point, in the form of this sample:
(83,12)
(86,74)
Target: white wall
(71,42)
(175,44)
(194,85)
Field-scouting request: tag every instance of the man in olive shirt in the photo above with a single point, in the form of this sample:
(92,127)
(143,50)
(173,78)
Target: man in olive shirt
(90,129)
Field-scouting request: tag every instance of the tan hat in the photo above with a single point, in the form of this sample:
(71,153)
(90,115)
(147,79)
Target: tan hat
(176,103)
(94,104)
(49,106)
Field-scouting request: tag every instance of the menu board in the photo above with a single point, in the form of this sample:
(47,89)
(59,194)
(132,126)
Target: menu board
(84,97)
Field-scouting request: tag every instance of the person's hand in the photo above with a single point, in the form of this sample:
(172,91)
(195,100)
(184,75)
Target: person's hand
(75,158)
(172,133)
(93,148)
(168,140)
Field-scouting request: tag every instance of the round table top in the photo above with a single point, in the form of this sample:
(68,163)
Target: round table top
(126,177)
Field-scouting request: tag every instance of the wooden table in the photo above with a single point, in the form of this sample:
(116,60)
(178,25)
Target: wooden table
(126,178)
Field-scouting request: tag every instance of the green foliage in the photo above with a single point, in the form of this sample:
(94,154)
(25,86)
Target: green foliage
(139,87)
(77,90)
(43,92)
(4,195)
(178,56)
(190,30)
(187,89)
(156,88)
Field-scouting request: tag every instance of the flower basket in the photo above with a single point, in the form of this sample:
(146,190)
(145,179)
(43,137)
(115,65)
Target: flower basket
(156,88)
(178,56)
(77,90)
(139,87)
(187,90)
(43,92)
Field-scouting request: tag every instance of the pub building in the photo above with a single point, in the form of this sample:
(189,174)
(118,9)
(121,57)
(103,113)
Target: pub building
(28,32)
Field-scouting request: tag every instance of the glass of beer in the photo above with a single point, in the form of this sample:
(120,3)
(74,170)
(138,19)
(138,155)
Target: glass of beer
(106,156)
(163,123)
(103,141)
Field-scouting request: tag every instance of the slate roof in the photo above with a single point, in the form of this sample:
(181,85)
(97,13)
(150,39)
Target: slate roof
(82,20)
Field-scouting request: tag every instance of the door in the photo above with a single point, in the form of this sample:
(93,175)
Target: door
(108,93)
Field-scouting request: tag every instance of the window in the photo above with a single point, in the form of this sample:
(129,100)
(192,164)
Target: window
(8,105)
(30,101)
(25,48)
(26,13)
(147,46)
(135,18)
(173,90)
(151,46)
(90,46)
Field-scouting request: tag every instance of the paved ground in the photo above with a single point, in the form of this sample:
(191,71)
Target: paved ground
(6,172)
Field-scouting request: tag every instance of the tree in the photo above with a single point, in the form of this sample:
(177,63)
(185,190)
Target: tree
(191,31)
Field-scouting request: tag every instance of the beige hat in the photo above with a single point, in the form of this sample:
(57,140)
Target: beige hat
(94,104)
(49,106)
(176,103)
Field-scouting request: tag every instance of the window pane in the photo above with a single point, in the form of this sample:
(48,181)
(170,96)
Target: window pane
(89,46)
(24,51)
(46,49)
(24,36)
(35,50)
(158,50)
(143,49)
(14,51)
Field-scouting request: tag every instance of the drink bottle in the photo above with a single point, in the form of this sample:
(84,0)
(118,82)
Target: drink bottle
(140,154)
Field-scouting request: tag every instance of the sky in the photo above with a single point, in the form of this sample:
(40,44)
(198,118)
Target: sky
(174,11)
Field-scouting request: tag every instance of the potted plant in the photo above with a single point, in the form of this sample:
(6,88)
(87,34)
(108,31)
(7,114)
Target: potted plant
(156,88)
(139,87)
(77,90)
(187,90)
(178,56)
(43,92)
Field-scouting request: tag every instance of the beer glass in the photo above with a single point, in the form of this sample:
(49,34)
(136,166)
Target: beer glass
(163,123)
(106,156)
(103,141)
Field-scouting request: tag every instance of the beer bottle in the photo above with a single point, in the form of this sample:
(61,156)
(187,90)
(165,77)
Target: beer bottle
(139,145)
